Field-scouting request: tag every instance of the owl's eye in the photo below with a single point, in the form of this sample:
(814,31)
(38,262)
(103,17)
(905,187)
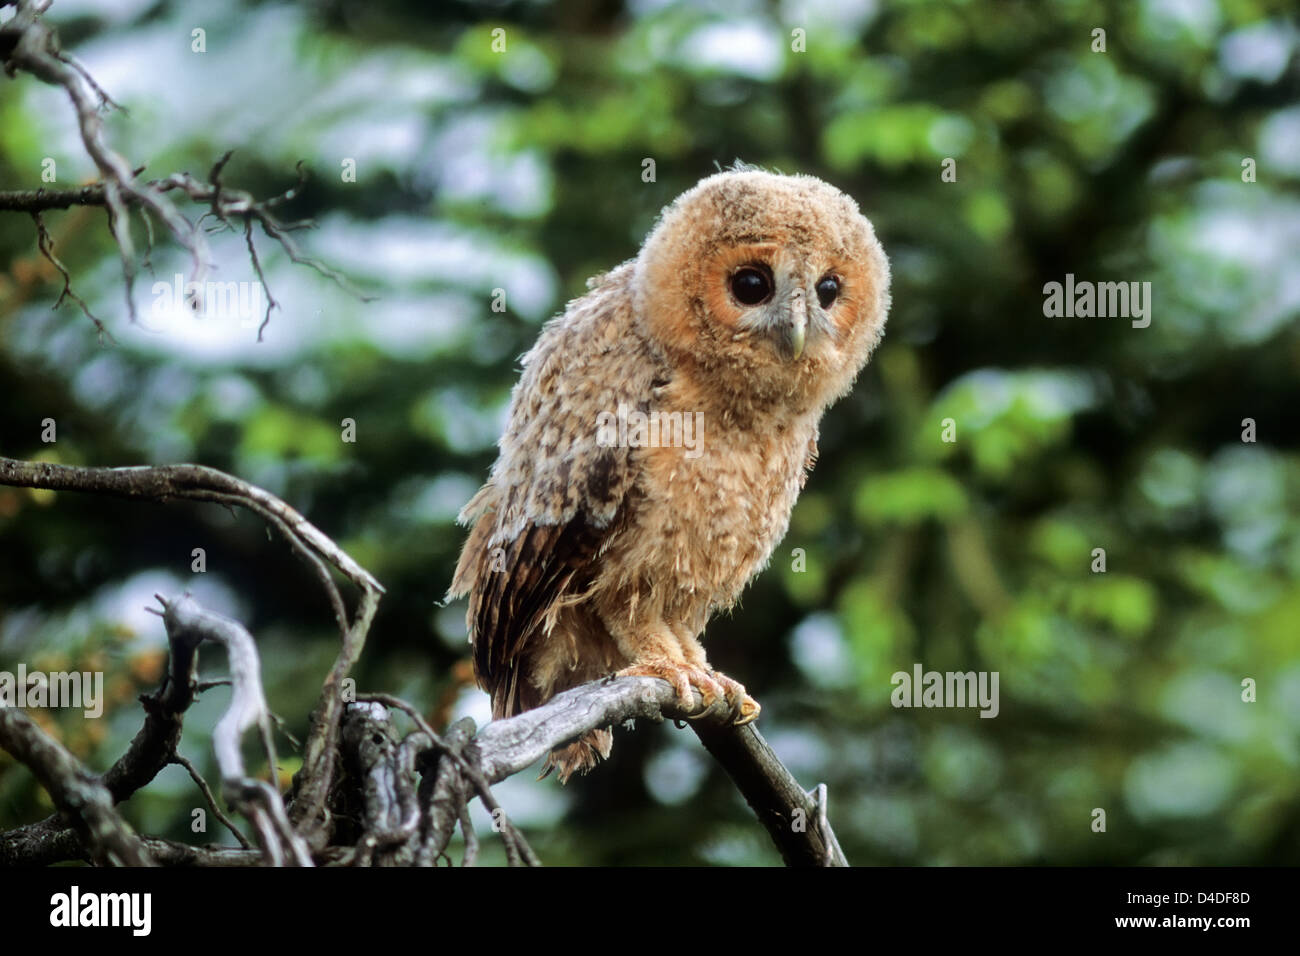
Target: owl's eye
(828,288)
(751,285)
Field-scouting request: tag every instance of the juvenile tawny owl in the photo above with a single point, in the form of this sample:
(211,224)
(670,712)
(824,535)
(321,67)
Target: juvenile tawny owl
(658,438)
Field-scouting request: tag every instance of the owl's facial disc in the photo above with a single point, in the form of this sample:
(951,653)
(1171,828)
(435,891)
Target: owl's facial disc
(774,300)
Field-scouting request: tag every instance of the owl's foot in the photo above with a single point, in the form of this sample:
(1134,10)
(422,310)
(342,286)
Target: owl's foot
(744,709)
(710,683)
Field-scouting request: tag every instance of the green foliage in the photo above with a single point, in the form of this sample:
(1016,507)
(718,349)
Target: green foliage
(970,548)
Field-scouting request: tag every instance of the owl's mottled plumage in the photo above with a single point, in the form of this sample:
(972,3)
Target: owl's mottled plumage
(586,559)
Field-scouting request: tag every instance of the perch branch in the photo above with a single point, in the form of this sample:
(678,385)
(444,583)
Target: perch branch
(789,814)
(793,818)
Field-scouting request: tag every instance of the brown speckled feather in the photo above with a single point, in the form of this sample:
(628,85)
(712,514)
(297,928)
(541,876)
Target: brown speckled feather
(549,563)
(555,497)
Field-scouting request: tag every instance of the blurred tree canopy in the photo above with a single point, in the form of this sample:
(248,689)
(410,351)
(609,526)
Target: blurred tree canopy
(523,170)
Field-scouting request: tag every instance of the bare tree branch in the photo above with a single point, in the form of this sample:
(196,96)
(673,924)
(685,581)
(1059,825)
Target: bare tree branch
(789,814)
(48,841)
(77,792)
(154,745)
(188,624)
(152,748)
(792,817)
(383,771)
(462,764)
(171,853)
(36,201)
(199,483)
(29,45)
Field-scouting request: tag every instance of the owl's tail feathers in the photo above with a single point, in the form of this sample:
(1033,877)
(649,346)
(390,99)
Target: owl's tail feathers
(580,756)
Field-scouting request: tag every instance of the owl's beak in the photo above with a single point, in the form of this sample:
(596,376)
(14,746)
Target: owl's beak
(793,332)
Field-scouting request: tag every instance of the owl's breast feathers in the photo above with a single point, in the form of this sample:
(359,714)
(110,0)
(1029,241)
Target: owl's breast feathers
(707,522)
(567,519)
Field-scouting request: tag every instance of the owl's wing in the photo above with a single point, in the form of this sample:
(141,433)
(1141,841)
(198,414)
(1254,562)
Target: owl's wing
(511,607)
(557,493)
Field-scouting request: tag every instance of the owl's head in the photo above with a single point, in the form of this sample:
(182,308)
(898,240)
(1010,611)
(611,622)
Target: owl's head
(771,284)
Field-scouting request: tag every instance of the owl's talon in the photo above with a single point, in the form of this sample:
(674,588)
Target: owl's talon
(710,684)
(748,711)
(744,709)
(683,677)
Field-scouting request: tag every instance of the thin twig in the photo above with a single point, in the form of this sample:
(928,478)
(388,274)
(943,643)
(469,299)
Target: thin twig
(32,46)
(212,800)
(45,243)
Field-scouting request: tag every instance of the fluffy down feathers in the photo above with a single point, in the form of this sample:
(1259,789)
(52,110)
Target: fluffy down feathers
(593,550)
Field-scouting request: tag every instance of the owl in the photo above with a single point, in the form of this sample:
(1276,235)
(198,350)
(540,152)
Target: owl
(658,437)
